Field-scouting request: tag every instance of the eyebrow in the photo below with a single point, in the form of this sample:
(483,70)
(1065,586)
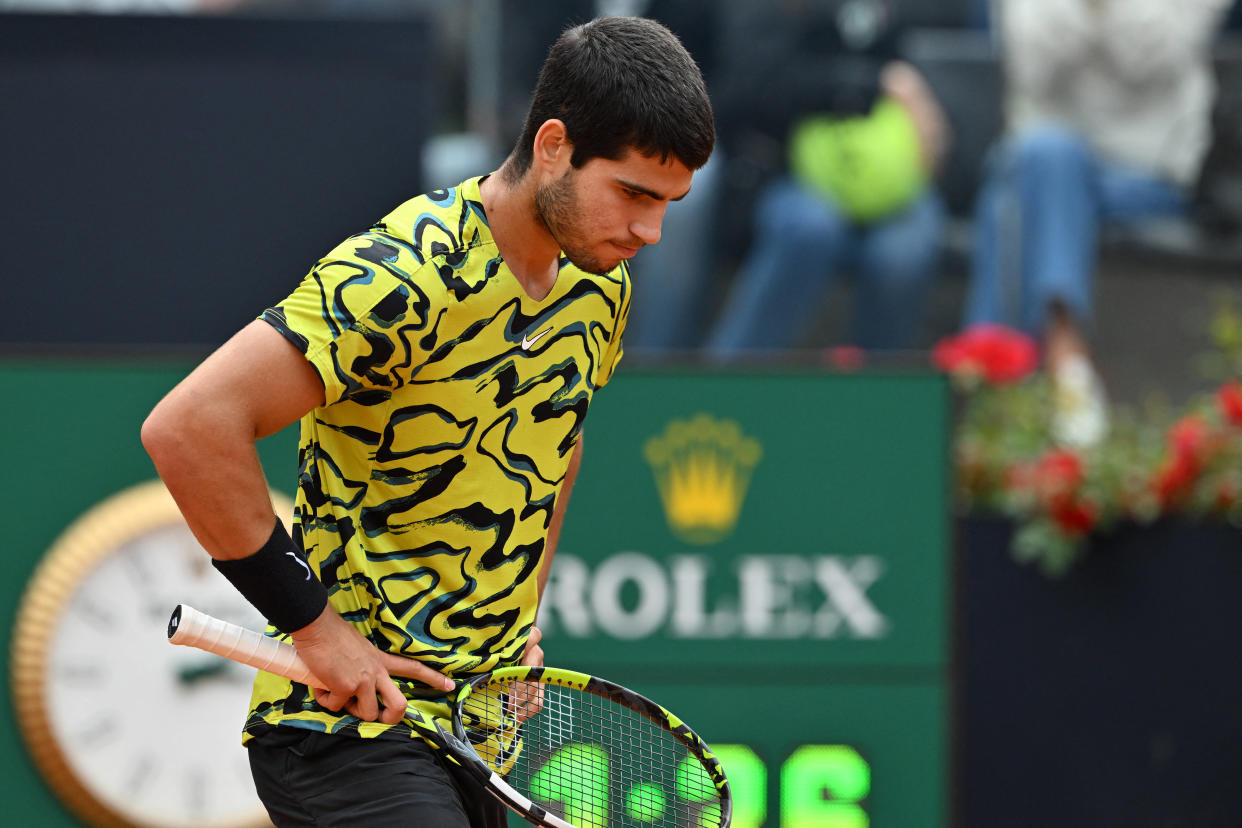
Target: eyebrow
(649,192)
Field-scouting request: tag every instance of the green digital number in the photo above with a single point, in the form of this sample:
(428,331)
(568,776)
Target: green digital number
(822,786)
(577,777)
(748,782)
(693,784)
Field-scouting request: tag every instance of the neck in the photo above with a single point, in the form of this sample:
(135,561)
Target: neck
(521,236)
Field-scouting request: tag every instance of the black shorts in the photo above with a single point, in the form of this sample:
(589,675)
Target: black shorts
(305,777)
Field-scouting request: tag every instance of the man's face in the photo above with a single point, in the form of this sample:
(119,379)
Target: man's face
(606,210)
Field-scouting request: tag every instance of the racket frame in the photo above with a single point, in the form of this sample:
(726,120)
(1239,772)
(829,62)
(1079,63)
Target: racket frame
(623,696)
(194,628)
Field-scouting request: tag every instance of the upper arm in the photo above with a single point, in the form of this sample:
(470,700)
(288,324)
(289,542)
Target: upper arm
(255,384)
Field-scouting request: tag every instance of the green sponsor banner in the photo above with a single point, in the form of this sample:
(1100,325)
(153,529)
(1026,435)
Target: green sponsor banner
(799,519)
(765,554)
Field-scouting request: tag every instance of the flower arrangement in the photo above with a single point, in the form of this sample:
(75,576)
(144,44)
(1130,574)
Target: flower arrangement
(1153,462)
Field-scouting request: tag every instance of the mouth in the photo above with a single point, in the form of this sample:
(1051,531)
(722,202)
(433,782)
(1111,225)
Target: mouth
(626,252)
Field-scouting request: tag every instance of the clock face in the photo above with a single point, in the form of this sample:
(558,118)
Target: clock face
(129,729)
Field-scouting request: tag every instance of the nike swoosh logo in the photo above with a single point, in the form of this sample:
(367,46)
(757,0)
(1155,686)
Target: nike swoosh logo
(302,562)
(526,343)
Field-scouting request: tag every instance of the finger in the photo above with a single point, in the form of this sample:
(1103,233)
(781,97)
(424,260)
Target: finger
(393,701)
(532,702)
(409,668)
(533,657)
(528,699)
(330,700)
(367,706)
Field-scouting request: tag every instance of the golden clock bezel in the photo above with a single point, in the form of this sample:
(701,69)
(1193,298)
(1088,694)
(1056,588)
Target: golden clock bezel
(76,553)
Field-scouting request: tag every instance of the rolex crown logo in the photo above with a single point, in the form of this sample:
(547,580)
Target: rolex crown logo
(702,469)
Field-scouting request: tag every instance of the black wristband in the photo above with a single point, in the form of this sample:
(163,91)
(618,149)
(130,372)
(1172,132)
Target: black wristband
(278,581)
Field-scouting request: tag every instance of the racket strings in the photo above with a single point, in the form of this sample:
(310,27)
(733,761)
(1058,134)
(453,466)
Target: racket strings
(590,760)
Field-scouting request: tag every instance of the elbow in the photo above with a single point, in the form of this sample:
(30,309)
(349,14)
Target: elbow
(162,434)
(155,434)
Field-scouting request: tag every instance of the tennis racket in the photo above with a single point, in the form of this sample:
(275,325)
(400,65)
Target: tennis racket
(558,747)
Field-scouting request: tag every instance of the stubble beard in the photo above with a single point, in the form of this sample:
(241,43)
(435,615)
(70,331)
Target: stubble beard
(556,207)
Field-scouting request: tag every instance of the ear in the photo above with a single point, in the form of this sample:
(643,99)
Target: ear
(553,149)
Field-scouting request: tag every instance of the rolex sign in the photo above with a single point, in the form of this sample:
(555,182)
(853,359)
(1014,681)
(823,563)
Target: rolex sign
(737,540)
(772,514)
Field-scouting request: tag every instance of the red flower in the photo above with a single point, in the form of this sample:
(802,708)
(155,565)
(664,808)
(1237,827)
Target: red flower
(1054,480)
(1173,480)
(1191,445)
(1059,471)
(1191,440)
(1057,474)
(1230,399)
(997,353)
(1073,516)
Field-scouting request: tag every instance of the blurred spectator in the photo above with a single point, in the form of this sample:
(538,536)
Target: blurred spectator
(1108,107)
(861,135)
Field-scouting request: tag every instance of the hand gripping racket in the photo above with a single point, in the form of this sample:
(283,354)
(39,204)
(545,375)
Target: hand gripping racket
(560,748)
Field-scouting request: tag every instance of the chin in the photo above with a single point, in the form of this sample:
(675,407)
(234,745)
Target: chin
(593,265)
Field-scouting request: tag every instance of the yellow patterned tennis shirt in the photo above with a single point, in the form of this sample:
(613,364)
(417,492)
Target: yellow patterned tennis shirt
(453,404)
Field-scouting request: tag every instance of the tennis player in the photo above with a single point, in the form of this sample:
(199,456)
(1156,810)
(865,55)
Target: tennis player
(441,365)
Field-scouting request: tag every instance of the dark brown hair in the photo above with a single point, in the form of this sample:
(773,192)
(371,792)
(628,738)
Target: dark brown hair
(617,83)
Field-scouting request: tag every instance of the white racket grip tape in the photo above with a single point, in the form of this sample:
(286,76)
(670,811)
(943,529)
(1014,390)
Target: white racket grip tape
(193,628)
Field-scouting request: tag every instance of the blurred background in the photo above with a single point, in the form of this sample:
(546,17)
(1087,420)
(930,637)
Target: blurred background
(950,318)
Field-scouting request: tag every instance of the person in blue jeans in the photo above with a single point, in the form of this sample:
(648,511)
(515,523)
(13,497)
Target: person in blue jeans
(862,135)
(803,239)
(1038,221)
(1109,113)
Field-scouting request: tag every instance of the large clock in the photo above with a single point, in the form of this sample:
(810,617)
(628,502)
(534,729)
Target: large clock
(127,729)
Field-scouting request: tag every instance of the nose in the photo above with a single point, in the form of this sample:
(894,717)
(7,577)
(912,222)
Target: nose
(647,228)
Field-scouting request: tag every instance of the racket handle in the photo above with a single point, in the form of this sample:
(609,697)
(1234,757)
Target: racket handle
(192,628)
